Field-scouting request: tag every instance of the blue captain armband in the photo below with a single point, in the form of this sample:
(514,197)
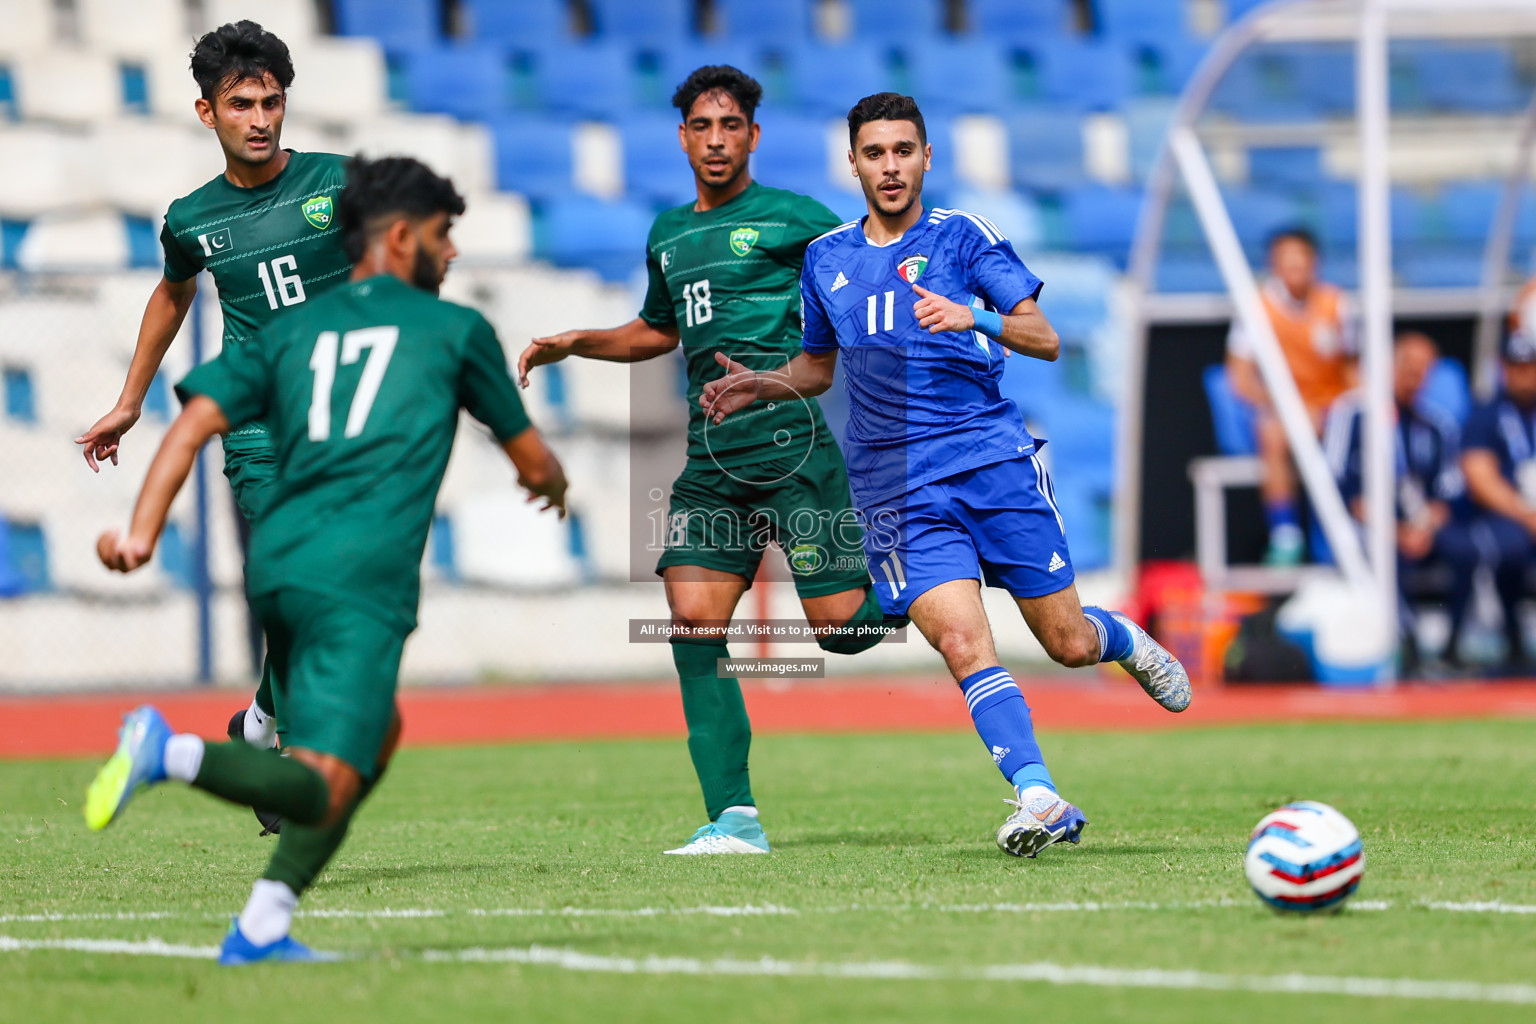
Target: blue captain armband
(988,322)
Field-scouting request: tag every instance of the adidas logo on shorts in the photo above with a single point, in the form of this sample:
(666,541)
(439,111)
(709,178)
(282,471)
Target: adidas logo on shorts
(1056,562)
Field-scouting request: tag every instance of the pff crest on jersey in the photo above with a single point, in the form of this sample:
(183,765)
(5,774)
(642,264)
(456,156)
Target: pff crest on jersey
(742,240)
(318,212)
(911,268)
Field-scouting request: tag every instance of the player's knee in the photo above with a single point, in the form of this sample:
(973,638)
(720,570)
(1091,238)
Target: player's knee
(963,645)
(342,783)
(1072,649)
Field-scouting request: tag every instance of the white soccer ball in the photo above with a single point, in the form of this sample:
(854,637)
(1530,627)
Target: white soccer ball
(1305,857)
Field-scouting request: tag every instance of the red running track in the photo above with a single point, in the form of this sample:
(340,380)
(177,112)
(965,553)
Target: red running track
(75,726)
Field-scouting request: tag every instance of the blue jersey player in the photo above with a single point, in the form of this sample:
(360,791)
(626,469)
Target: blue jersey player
(945,474)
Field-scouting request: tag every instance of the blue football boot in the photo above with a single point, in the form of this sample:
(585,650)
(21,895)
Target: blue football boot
(138,761)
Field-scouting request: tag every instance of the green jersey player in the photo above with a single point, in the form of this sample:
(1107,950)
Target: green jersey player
(360,391)
(264,230)
(724,274)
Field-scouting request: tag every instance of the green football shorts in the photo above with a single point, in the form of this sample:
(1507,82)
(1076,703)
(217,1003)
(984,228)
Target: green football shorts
(250,472)
(723,519)
(336,669)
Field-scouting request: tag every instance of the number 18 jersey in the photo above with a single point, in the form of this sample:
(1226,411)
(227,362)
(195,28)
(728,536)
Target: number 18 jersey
(268,248)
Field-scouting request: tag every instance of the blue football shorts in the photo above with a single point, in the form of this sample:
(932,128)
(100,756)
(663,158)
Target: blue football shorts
(997,523)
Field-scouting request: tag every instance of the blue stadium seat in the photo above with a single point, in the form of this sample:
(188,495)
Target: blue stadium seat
(1146,125)
(1470,207)
(1030,383)
(1299,167)
(912,24)
(1085,512)
(608,237)
(1338,217)
(473,83)
(1447,389)
(1081,432)
(1257,214)
(1237,8)
(587,80)
(1416,217)
(1262,85)
(396,24)
(675,63)
(1102,220)
(1089,76)
(655,167)
(1441,265)
(942,179)
(1011,21)
(1188,271)
(519,22)
(1231,416)
(1138,19)
(533,156)
(23,559)
(649,23)
(782,21)
(830,79)
(792,154)
(1325,76)
(1046,149)
(960,77)
(1469,77)
(1165,66)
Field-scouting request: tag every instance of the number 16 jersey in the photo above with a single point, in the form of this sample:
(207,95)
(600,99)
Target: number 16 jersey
(268,248)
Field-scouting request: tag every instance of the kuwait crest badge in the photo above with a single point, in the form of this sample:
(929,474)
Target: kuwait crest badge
(912,268)
(742,240)
(318,212)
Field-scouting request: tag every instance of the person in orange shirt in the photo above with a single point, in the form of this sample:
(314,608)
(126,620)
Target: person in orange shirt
(1315,327)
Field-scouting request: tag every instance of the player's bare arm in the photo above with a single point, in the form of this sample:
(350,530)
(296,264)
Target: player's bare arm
(1025,328)
(631,343)
(538,470)
(167,308)
(808,374)
(1488,488)
(199,421)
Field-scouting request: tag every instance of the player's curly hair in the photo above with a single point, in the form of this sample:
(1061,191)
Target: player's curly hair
(885,106)
(231,54)
(734,82)
(380,191)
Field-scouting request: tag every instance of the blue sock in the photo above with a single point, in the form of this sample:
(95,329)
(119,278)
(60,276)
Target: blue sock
(1281,513)
(1115,641)
(1035,774)
(1002,720)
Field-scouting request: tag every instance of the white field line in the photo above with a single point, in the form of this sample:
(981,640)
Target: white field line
(771,910)
(888,970)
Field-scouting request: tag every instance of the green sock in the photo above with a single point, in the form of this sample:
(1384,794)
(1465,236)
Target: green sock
(303,851)
(719,732)
(264,691)
(263,778)
(862,630)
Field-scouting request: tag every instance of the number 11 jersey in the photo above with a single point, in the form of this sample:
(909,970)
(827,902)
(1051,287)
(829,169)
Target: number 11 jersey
(268,248)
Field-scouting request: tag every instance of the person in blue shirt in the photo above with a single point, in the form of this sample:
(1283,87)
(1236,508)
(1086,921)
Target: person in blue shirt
(922,305)
(1429,484)
(1499,463)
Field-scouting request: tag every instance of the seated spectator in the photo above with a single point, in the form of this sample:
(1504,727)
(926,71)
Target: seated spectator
(1429,483)
(1316,331)
(1499,462)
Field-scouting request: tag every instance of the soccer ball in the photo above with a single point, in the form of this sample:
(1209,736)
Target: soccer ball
(1305,857)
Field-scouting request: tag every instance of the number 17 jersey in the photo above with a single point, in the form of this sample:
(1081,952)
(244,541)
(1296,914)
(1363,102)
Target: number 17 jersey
(268,248)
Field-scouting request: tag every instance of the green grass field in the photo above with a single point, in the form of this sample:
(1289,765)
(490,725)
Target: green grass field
(883,856)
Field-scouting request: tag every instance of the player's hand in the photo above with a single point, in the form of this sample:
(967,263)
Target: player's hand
(542,351)
(738,389)
(552,496)
(122,554)
(102,440)
(937,313)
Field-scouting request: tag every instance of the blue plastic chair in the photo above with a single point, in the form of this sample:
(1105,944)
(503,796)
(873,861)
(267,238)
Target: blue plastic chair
(1231,416)
(1259,213)
(1441,265)
(676,62)
(1031,384)
(608,237)
(1447,390)
(1088,76)
(1019,20)
(1299,167)
(1045,147)
(1463,77)
(1085,514)
(1469,208)
(521,23)
(960,77)
(792,154)
(1081,431)
(1102,220)
(830,79)
(915,23)
(655,167)
(1416,217)
(594,80)
(646,23)
(1136,20)
(1189,272)
(396,24)
(781,21)
(533,156)
(473,83)
(1262,85)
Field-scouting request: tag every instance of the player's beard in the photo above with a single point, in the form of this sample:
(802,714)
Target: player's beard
(425,274)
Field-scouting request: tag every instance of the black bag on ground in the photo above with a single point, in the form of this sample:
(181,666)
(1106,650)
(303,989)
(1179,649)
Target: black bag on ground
(1259,654)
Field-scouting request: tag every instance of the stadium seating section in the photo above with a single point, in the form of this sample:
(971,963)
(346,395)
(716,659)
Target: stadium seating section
(554,119)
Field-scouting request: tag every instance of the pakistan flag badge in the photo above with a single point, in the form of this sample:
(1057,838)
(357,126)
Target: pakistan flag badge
(912,268)
(318,212)
(742,240)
